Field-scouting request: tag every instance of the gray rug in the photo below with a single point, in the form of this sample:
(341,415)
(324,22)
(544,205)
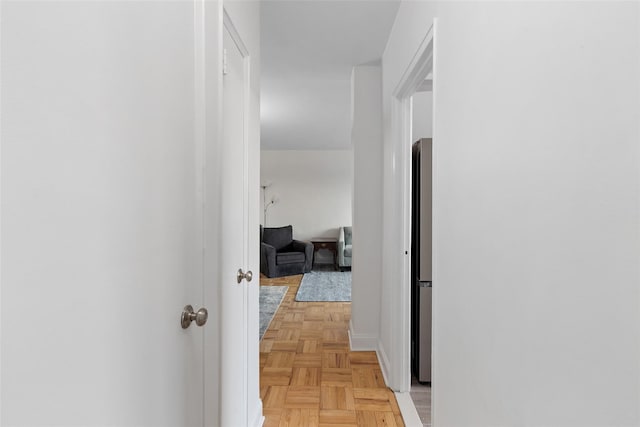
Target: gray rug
(270,299)
(325,286)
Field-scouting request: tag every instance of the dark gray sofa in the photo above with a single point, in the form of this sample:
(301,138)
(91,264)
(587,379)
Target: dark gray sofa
(281,255)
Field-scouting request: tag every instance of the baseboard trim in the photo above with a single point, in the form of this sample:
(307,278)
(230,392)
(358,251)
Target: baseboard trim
(362,342)
(408,410)
(384,362)
(258,418)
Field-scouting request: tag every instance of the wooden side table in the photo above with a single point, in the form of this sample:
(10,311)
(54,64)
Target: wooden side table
(326,243)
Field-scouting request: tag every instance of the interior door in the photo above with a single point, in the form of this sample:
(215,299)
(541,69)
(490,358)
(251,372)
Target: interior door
(101,218)
(234,307)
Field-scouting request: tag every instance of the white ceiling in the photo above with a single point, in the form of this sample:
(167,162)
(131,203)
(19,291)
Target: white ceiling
(308,50)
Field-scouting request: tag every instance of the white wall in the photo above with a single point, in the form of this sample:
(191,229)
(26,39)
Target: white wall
(422,126)
(366,138)
(314,190)
(536,210)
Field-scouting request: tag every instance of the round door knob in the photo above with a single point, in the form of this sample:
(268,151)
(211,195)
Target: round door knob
(242,275)
(188,316)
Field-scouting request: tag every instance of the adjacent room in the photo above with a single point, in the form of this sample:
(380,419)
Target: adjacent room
(313,208)
(306,225)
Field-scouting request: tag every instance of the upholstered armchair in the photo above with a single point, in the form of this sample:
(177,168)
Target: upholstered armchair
(281,255)
(344,248)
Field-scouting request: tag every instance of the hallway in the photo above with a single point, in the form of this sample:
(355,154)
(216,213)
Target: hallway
(309,376)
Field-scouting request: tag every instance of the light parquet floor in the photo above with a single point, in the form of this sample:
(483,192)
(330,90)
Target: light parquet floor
(309,376)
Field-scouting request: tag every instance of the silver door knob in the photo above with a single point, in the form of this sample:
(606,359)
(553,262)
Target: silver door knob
(189,316)
(242,275)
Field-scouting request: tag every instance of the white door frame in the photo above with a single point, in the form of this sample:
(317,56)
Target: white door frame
(249,401)
(420,66)
(211,19)
(208,117)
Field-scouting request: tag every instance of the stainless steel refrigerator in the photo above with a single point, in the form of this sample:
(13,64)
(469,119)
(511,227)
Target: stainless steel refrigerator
(421,259)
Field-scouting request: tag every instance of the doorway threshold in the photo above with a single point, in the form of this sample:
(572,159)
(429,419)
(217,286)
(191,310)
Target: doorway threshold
(408,410)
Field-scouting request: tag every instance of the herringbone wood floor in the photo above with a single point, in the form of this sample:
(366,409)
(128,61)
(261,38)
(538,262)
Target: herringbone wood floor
(308,375)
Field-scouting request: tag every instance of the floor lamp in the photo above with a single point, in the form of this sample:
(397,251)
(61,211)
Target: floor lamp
(265,204)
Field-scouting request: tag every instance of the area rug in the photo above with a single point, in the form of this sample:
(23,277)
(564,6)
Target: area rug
(270,299)
(325,286)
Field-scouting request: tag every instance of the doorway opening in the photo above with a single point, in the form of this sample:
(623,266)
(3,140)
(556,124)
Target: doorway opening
(421,250)
(306,227)
(307,171)
(416,313)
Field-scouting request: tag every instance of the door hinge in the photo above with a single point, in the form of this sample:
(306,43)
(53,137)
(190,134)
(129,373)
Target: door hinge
(224,62)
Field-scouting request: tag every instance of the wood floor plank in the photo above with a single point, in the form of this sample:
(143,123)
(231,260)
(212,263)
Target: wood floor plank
(280,359)
(393,402)
(305,376)
(303,397)
(341,377)
(311,334)
(368,378)
(272,417)
(266,345)
(308,360)
(373,399)
(291,418)
(385,419)
(337,416)
(337,335)
(332,397)
(285,345)
(288,334)
(336,359)
(366,419)
(309,346)
(275,396)
(373,406)
(371,393)
(309,323)
(363,358)
(310,417)
(275,376)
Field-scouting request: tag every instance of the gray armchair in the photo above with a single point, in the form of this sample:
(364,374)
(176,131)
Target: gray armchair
(281,255)
(344,248)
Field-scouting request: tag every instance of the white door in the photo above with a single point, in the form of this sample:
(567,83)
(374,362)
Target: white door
(234,256)
(101,218)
